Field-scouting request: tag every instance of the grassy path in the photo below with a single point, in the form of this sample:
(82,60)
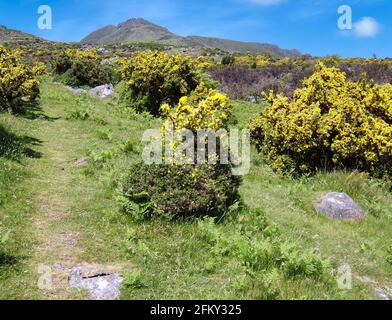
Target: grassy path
(55,185)
(66,219)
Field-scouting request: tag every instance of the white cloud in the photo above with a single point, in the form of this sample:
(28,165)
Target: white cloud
(267,2)
(367,27)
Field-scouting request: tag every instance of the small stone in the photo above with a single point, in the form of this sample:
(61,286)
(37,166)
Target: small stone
(102,92)
(339,206)
(58,266)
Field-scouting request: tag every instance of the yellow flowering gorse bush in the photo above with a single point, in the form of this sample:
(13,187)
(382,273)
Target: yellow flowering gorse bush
(177,188)
(205,109)
(154,77)
(256,61)
(18,82)
(329,123)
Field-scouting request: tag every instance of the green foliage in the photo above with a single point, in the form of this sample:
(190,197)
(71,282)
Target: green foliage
(267,261)
(78,114)
(154,78)
(128,146)
(329,123)
(104,134)
(150,190)
(78,68)
(133,280)
(228,60)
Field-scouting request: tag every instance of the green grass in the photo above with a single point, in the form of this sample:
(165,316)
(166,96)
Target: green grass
(59,171)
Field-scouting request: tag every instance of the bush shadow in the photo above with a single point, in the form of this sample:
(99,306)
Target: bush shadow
(7,260)
(13,147)
(32,110)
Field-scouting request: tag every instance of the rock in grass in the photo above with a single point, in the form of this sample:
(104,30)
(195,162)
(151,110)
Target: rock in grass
(75,91)
(339,206)
(102,92)
(100,285)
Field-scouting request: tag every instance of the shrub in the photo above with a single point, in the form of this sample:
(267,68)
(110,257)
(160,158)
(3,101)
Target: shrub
(18,83)
(228,60)
(329,123)
(83,68)
(178,189)
(151,190)
(154,78)
(204,109)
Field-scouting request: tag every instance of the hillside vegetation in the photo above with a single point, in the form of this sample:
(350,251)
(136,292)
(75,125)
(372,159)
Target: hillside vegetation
(74,190)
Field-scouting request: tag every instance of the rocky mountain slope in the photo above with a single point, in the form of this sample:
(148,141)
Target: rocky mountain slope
(140,30)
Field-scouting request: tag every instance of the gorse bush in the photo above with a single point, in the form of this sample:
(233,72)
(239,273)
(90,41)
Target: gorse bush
(179,189)
(204,109)
(18,82)
(329,123)
(154,78)
(83,68)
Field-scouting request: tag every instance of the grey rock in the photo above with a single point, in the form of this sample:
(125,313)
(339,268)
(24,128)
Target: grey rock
(339,206)
(75,91)
(58,266)
(102,92)
(382,294)
(100,285)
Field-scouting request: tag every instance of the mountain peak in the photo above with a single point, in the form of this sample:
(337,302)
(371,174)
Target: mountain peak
(135,22)
(131,31)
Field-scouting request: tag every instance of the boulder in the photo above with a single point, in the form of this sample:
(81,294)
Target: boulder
(339,206)
(102,92)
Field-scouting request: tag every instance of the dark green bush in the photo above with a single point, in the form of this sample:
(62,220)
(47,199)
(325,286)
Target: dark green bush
(228,60)
(83,68)
(173,190)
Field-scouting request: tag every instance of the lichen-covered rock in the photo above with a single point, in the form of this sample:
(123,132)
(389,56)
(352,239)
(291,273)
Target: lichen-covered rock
(339,206)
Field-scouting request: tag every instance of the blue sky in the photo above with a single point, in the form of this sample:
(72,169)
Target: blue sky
(309,26)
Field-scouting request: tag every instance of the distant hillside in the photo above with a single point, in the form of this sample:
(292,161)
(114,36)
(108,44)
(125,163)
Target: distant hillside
(241,47)
(140,30)
(133,30)
(12,37)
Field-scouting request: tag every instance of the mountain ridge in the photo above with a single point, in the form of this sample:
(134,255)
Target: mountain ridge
(140,30)
(15,37)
